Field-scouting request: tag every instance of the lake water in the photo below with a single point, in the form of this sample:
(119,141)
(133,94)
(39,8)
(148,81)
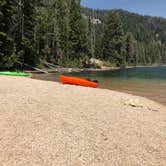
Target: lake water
(148,82)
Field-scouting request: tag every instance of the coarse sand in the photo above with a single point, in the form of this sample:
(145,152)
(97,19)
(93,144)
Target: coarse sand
(49,124)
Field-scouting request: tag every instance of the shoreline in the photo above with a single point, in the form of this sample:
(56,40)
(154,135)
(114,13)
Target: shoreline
(112,89)
(150,91)
(47,123)
(69,70)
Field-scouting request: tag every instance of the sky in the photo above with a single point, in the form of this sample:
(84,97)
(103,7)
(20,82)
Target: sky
(144,7)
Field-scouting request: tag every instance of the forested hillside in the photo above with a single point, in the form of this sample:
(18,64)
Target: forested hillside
(62,32)
(144,28)
(145,36)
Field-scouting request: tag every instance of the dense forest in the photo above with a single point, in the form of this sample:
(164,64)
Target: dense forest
(144,37)
(62,32)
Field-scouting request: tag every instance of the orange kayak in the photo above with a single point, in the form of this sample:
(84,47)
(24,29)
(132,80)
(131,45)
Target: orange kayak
(77,81)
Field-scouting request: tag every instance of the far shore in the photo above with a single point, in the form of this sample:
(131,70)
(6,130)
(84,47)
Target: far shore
(48,123)
(75,69)
(69,70)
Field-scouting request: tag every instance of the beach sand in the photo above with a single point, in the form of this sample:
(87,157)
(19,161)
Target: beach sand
(49,124)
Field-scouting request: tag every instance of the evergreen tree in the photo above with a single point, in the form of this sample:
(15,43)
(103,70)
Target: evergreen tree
(130,50)
(46,31)
(8,57)
(61,32)
(63,27)
(145,30)
(26,27)
(113,44)
(98,46)
(78,41)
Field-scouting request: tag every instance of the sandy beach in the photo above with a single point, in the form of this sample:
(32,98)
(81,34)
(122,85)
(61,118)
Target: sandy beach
(49,124)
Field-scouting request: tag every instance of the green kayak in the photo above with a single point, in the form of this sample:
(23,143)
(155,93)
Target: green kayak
(10,73)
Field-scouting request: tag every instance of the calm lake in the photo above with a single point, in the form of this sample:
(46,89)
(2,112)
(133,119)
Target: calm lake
(148,82)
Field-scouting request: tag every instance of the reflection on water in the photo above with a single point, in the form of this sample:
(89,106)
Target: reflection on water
(144,81)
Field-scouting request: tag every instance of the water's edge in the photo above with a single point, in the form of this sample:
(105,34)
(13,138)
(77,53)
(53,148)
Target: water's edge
(147,82)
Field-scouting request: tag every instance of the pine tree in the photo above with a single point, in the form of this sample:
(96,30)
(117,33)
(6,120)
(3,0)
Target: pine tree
(78,40)
(25,33)
(130,50)
(7,51)
(63,30)
(113,44)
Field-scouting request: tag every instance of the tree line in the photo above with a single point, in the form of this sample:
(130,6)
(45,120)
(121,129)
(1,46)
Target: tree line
(139,40)
(34,31)
(62,32)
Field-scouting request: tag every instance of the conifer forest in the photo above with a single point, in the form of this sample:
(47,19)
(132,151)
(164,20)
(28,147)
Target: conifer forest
(64,33)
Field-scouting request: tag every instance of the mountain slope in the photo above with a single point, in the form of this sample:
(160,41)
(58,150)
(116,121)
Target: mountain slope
(144,28)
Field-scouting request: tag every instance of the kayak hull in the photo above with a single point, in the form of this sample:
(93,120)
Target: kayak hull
(14,73)
(77,81)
